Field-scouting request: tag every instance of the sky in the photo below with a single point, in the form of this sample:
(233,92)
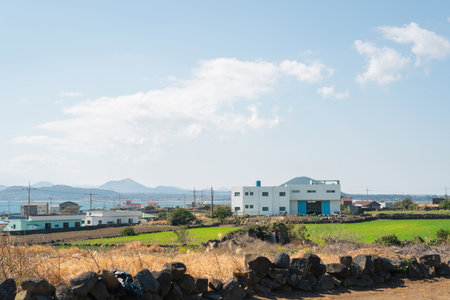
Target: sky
(209,93)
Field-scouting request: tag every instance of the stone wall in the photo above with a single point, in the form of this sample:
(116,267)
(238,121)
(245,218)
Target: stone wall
(261,276)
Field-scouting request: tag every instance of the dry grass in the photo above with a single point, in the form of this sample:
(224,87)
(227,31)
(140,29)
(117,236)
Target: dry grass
(59,265)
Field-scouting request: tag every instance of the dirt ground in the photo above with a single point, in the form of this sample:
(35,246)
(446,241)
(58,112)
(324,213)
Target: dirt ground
(435,289)
(70,236)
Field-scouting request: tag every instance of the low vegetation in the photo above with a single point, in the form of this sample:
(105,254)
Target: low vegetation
(127,231)
(180,216)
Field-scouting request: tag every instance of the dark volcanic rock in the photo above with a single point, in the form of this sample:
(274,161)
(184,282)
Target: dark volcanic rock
(279,275)
(146,281)
(414,271)
(175,292)
(346,260)
(338,270)
(326,282)
(216,285)
(187,284)
(38,286)
(83,283)
(64,293)
(164,279)
(281,261)
(304,285)
(299,266)
(232,290)
(201,285)
(432,260)
(269,283)
(8,289)
(260,265)
(99,291)
(112,283)
(365,263)
(176,268)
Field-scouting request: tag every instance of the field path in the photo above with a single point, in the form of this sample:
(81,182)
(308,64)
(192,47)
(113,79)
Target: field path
(435,289)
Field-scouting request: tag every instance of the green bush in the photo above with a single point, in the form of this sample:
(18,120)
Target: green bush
(222,212)
(406,203)
(445,204)
(388,240)
(183,237)
(162,215)
(180,216)
(127,231)
(443,235)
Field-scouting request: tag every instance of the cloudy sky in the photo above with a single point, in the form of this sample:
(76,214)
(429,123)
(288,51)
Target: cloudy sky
(201,93)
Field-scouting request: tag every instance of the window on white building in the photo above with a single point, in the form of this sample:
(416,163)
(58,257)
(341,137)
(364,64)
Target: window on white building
(237,208)
(282,194)
(246,206)
(251,193)
(265,208)
(331,191)
(295,191)
(237,194)
(311,191)
(251,206)
(282,208)
(246,193)
(265,194)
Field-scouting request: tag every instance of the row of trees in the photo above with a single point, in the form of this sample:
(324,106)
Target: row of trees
(182,216)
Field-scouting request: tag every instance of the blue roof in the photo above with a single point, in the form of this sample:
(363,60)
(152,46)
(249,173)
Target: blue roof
(17,218)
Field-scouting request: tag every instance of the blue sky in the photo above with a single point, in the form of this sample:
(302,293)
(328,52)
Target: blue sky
(204,93)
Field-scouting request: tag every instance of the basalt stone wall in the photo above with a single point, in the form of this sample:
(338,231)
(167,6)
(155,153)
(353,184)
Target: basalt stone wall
(261,276)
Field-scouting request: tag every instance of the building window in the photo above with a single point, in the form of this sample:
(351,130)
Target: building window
(65,225)
(331,191)
(48,225)
(14,226)
(77,224)
(89,222)
(100,222)
(311,191)
(282,194)
(282,208)
(246,193)
(110,222)
(130,221)
(251,193)
(246,206)
(295,191)
(237,208)
(265,194)
(265,208)
(251,206)
(237,194)
(56,225)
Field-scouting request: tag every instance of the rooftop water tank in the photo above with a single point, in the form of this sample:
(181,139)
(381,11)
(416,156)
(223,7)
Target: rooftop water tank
(258,182)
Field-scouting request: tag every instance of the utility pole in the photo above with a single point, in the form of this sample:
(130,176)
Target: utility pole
(29,200)
(184,200)
(446,196)
(367,194)
(212,202)
(195,201)
(90,199)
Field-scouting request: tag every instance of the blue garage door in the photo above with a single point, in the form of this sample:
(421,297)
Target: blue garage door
(326,207)
(301,207)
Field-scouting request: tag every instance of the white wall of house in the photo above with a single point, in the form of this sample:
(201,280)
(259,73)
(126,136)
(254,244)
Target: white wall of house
(276,200)
(103,217)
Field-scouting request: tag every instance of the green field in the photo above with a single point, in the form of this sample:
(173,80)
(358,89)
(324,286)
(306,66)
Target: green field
(421,212)
(196,236)
(367,232)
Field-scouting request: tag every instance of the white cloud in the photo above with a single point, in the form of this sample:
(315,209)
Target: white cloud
(221,97)
(426,44)
(328,92)
(384,65)
(313,72)
(70,94)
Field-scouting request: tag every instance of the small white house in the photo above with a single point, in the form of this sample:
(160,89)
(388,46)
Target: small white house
(316,197)
(110,217)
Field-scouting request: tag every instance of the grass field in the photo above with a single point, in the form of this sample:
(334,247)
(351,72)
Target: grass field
(196,236)
(422,212)
(367,232)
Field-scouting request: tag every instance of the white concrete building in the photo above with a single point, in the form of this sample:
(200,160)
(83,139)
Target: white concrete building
(99,217)
(319,197)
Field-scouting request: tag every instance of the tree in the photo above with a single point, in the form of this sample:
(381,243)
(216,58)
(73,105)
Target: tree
(127,231)
(445,204)
(180,216)
(406,203)
(222,212)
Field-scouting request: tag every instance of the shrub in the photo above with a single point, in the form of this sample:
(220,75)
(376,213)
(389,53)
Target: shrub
(418,239)
(180,216)
(221,212)
(182,236)
(127,231)
(388,240)
(445,204)
(443,235)
(162,215)
(299,233)
(406,203)
(282,232)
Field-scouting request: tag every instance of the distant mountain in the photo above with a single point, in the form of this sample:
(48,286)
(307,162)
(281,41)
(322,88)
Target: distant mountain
(301,180)
(42,184)
(168,190)
(2,187)
(125,186)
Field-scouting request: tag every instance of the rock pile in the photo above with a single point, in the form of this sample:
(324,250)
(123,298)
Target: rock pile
(261,276)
